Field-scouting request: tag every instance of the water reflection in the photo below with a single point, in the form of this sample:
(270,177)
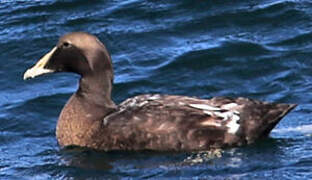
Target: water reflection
(85,159)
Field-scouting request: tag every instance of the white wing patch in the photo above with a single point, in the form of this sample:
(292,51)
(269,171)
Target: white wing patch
(226,115)
(233,124)
(210,123)
(154,97)
(205,107)
(227,112)
(229,106)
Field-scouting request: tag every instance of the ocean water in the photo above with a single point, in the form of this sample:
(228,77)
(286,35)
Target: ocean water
(257,49)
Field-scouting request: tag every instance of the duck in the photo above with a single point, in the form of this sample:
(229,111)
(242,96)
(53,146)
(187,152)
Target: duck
(156,122)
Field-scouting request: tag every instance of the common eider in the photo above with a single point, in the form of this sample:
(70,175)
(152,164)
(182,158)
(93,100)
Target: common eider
(146,122)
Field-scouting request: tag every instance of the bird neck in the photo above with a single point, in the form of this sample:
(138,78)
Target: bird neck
(96,89)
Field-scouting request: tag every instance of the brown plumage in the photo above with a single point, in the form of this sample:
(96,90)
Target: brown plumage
(146,122)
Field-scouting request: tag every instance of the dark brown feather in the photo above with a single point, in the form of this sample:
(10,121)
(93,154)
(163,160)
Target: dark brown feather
(170,123)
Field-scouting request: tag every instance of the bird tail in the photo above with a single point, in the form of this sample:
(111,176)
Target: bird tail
(280,110)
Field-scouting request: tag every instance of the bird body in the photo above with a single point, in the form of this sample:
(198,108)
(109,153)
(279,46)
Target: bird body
(151,121)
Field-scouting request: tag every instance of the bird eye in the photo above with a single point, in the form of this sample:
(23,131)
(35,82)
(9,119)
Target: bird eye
(66,44)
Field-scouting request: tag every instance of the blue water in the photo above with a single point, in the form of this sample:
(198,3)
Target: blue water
(256,49)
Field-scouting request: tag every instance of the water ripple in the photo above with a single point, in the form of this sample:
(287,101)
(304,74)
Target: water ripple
(257,49)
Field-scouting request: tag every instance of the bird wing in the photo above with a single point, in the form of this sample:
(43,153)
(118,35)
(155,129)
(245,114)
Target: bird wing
(163,121)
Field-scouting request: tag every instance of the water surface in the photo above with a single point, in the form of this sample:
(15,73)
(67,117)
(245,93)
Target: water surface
(256,49)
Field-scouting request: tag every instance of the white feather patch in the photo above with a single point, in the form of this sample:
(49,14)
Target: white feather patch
(233,124)
(209,113)
(205,107)
(154,97)
(229,106)
(231,115)
(224,115)
(210,123)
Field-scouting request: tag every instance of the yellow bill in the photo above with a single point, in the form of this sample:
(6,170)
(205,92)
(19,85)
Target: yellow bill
(38,69)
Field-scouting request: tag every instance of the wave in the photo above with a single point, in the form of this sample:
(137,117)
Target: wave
(305,129)
(222,55)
